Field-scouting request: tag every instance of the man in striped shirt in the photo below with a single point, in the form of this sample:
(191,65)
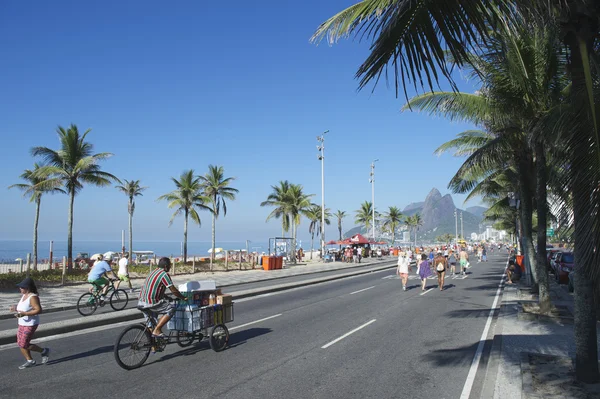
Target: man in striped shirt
(152,294)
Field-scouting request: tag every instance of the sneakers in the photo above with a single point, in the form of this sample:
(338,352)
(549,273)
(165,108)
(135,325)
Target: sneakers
(404,288)
(45,354)
(27,364)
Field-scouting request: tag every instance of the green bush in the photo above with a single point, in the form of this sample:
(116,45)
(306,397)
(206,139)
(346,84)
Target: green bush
(9,280)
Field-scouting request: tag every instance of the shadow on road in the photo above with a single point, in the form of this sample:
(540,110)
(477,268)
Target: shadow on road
(461,356)
(93,352)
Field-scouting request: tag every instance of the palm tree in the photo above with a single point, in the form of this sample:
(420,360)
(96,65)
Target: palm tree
(132,189)
(340,215)
(364,215)
(414,35)
(72,166)
(313,213)
(296,204)
(416,222)
(276,199)
(216,188)
(33,187)
(392,219)
(187,199)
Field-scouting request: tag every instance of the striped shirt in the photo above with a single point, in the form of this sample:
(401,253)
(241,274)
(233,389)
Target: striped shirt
(154,286)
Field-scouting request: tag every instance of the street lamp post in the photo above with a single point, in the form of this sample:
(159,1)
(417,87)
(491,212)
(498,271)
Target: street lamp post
(462,231)
(456,225)
(321,156)
(372,181)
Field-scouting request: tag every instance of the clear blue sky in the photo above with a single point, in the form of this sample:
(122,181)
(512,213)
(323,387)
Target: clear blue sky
(169,86)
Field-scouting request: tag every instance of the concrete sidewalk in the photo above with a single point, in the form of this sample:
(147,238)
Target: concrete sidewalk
(519,336)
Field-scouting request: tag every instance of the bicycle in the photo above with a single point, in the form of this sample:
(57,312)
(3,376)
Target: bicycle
(134,343)
(89,302)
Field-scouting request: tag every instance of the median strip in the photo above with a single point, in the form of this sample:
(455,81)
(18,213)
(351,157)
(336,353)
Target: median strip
(347,334)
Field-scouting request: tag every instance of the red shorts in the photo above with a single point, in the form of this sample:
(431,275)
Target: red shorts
(24,335)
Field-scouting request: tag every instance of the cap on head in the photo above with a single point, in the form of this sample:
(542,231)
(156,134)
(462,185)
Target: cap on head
(27,283)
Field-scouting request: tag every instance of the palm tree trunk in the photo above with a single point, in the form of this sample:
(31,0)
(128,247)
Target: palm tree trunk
(70,230)
(542,205)
(393,235)
(312,240)
(293,240)
(35,232)
(185,228)
(527,217)
(131,230)
(586,345)
(212,254)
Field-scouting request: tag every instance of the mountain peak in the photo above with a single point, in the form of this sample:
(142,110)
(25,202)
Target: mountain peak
(433,195)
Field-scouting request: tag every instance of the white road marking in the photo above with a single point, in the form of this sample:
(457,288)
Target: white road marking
(74,333)
(364,289)
(254,322)
(388,277)
(466,392)
(423,293)
(347,334)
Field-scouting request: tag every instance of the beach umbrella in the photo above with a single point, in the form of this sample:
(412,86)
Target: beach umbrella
(95,256)
(109,255)
(217,250)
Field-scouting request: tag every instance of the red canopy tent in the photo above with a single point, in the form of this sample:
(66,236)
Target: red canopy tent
(359,239)
(345,241)
(332,242)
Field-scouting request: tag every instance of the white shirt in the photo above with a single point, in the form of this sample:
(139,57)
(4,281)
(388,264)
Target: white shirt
(123,263)
(25,306)
(403,263)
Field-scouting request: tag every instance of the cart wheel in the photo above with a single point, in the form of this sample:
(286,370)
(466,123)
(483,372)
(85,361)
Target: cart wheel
(219,336)
(185,338)
(133,347)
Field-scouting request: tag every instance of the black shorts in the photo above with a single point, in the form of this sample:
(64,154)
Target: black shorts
(440,272)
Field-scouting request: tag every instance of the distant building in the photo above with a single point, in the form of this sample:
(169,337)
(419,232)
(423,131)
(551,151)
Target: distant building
(406,236)
(491,234)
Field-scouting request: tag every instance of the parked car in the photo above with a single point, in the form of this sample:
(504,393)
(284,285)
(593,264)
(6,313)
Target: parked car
(562,264)
(549,253)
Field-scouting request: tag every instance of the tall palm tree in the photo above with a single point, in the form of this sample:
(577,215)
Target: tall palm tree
(414,36)
(277,200)
(416,222)
(296,204)
(132,189)
(392,219)
(364,215)
(340,215)
(314,215)
(72,166)
(33,187)
(187,199)
(216,188)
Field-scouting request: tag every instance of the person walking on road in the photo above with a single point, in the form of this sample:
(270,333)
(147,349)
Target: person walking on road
(424,271)
(123,272)
(28,310)
(483,254)
(452,261)
(441,263)
(402,269)
(463,261)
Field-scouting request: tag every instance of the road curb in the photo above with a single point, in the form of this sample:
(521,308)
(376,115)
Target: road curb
(81,323)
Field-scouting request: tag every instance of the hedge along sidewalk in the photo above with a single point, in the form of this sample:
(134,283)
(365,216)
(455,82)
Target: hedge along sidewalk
(65,297)
(47,329)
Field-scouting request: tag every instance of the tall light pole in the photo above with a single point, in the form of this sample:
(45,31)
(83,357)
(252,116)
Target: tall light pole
(321,156)
(372,181)
(462,231)
(456,223)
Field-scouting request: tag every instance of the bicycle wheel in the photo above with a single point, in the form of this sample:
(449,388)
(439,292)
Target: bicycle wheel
(185,338)
(219,336)
(133,346)
(118,299)
(87,304)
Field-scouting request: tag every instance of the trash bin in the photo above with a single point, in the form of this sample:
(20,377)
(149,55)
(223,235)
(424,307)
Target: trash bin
(266,262)
(279,262)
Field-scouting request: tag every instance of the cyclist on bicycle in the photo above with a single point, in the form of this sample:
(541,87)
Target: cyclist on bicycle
(152,294)
(95,277)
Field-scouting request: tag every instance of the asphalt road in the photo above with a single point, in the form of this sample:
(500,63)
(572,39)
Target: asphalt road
(49,317)
(410,346)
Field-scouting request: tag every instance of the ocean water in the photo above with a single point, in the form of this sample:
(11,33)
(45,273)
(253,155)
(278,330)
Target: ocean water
(11,250)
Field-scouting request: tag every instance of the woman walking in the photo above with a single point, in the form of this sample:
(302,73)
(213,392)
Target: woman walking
(424,271)
(402,269)
(441,264)
(28,310)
